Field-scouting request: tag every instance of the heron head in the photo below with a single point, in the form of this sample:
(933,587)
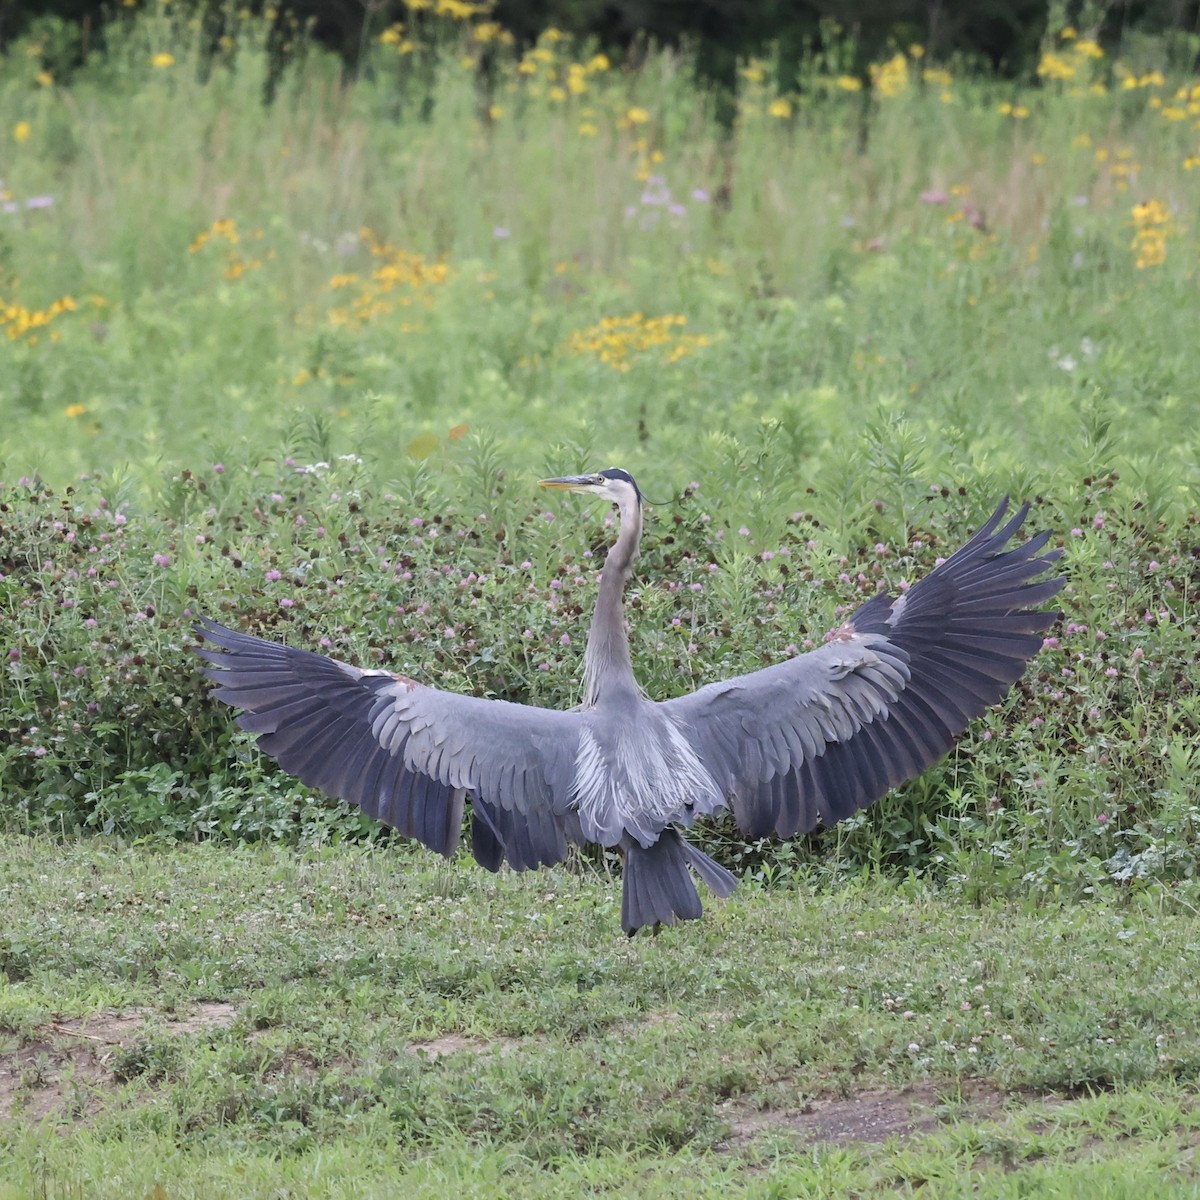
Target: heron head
(613,484)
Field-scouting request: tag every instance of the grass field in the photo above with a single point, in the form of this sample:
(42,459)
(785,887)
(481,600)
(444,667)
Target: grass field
(222,1021)
(304,363)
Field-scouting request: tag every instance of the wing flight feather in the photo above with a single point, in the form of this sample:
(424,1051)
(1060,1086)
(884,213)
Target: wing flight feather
(406,754)
(831,731)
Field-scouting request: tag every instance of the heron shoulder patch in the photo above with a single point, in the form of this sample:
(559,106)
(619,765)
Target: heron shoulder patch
(408,683)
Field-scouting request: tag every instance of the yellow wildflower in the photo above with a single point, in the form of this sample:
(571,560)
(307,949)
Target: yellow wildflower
(495,112)
(1053,66)
(889,79)
(849,83)
(637,116)
(236,267)
(753,73)
(75,410)
(399,281)
(599,62)
(1086,48)
(21,131)
(937,76)
(780,108)
(162,60)
(21,322)
(587,129)
(44,78)
(1152,222)
(619,342)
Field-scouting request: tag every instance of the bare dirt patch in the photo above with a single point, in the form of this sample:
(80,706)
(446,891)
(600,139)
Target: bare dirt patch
(649,1020)
(60,1070)
(870,1116)
(116,1029)
(457,1043)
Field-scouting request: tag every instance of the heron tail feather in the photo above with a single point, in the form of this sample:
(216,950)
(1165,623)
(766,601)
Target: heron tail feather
(658,888)
(720,881)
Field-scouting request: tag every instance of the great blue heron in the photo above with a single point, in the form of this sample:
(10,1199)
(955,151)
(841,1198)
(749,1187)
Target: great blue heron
(809,740)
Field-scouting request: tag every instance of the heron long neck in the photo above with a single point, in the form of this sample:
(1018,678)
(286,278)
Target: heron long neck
(607,668)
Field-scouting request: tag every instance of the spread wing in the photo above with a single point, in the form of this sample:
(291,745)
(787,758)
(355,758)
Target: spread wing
(831,731)
(407,754)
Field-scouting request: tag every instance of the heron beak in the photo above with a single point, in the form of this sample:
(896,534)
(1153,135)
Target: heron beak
(573,483)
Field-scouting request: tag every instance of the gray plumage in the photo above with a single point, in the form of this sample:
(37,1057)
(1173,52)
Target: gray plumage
(803,742)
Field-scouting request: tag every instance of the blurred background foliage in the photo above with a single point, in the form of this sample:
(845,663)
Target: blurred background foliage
(1003,35)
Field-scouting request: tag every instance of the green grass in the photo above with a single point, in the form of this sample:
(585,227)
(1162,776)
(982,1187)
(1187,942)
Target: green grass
(306,366)
(285,1016)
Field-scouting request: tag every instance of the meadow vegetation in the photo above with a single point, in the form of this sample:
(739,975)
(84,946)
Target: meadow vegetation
(301,364)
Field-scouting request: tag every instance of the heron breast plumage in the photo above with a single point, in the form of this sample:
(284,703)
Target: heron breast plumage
(636,776)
